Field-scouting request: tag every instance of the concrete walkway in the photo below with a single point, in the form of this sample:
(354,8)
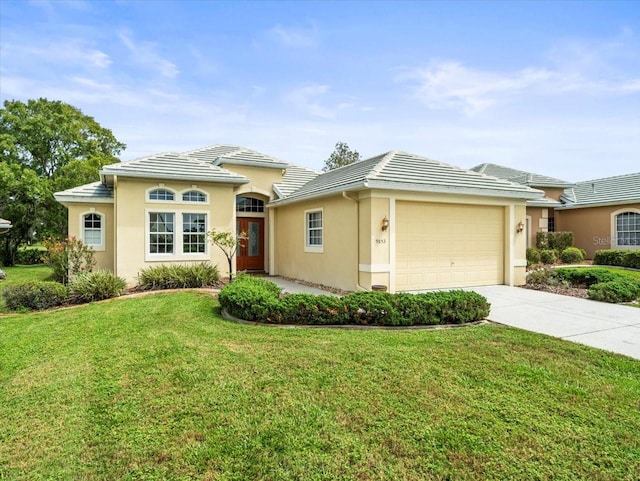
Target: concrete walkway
(597,324)
(611,327)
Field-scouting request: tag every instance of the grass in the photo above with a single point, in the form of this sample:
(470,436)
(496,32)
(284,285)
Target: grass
(160,387)
(23,273)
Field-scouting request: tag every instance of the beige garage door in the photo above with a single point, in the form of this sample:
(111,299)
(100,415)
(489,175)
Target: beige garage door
(446,245)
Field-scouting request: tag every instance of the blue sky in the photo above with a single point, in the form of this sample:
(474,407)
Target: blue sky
(549,87)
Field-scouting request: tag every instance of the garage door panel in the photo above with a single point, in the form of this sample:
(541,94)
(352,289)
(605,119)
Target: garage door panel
(443,246)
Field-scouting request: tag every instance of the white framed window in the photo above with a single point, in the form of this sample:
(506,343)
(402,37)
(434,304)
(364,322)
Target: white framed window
(176,235)
(314,230)
(194,233)
(249,204)
(627,229)
(93,230)
(194,196)
(161,195)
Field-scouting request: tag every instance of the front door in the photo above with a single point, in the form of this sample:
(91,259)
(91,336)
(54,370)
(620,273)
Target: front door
(250,256)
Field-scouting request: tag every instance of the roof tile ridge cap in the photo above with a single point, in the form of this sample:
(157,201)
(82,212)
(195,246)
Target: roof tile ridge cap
(291,164)
(144,157)
(607,178)
(382,163)
(212,146)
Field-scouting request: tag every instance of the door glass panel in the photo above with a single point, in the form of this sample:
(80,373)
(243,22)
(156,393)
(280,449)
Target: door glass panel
(254,239)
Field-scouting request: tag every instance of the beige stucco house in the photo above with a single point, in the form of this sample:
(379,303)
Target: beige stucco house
(601,213)
(398,219)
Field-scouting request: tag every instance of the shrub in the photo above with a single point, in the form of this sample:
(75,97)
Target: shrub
(587,276)
(249,298)
(615,291)
(548,256)
(557,241)
(571,255)
(30,256)
(618,257)
(533,256)
(371,308)
(544,276)
(309,309)
(34,295)
(203,274)
(96,286)
(68,258)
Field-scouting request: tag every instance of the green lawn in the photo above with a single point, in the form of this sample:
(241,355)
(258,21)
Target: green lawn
(160,387)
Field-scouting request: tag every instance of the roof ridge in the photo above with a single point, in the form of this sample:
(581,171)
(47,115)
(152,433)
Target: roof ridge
(382,163)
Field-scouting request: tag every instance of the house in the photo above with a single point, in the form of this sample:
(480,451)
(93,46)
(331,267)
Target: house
(5,225)
(397,219)
(601,213)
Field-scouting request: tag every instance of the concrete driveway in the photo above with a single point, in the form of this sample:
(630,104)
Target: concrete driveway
(612,327)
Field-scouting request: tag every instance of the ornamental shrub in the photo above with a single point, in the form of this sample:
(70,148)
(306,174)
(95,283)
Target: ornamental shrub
(68,258)
(533,256)
(587,276)
(96,286)
(371,308)
(548,256)
(571,255)
(544,276)
(249,298)
(632,259)
(615,291)
(34,295)
(202,274)
(557,241)
(29,256)
(309,309)
(618,257)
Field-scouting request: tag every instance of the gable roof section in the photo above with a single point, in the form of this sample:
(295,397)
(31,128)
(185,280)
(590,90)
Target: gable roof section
(95,192)
(234,155)
(621,189)
(293,179)
(520,176)
(398,170)
(172,166)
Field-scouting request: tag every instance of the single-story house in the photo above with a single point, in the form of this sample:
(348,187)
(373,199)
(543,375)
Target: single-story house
(601,213)
(5,225)
(397,219)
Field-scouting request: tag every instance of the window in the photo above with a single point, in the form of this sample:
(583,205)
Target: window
(161,194)
(249,204)
(627,226)
(194,196)
(551,224)
(314,229)
(194,227)
(92,229)
(161,227)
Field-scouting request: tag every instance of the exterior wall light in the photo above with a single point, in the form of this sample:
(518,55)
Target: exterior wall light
(385,223)
(519,227)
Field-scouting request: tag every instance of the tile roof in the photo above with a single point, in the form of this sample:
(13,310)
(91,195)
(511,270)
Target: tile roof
(293,179)
(234,155)
(621,189)
(93,192)
(520,176)
(173,166)
(403,171)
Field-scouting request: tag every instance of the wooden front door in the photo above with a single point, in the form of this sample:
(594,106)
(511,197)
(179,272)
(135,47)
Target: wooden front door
(250,256)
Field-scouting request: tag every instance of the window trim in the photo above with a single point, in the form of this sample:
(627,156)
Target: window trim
(161,201)
(194,202)
(178,240)
(317,249)
(614,227)
(96,247)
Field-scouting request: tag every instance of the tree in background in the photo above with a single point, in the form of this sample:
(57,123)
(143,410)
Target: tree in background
(46,146)
(340,157)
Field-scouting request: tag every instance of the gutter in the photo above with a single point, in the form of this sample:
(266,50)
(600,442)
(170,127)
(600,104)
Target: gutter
(357,206)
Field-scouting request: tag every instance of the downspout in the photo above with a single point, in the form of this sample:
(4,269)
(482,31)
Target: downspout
(357,206)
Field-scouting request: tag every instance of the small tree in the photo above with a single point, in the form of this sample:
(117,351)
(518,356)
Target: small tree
(340,157)
(228,242)
(68,258)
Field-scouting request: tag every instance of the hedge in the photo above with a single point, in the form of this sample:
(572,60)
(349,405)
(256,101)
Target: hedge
(260,300)
(202,274)
(571,255)
(36,295)
(618,257)
(557,241)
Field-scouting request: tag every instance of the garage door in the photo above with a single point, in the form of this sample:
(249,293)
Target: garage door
(446,245)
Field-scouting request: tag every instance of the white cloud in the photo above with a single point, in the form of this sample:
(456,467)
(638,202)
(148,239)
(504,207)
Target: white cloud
(58,51)
(306,99)
(144,53)
(295,37)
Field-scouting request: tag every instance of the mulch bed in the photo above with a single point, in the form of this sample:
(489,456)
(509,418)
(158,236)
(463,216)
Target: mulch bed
(580,292)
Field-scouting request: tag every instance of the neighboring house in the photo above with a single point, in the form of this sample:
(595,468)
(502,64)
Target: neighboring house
(5,225)
(398,219)
(540,212)
(601,213)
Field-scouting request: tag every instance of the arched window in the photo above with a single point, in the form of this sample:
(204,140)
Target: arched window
(194,196)
(249,204)
(161,194)
(627,229)
(92,230)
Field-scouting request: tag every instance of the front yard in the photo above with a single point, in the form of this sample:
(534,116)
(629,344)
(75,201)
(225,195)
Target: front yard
(160,387)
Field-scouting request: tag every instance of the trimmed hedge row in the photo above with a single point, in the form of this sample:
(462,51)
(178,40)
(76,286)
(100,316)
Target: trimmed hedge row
(35,295)
(257,299)
(618,257)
